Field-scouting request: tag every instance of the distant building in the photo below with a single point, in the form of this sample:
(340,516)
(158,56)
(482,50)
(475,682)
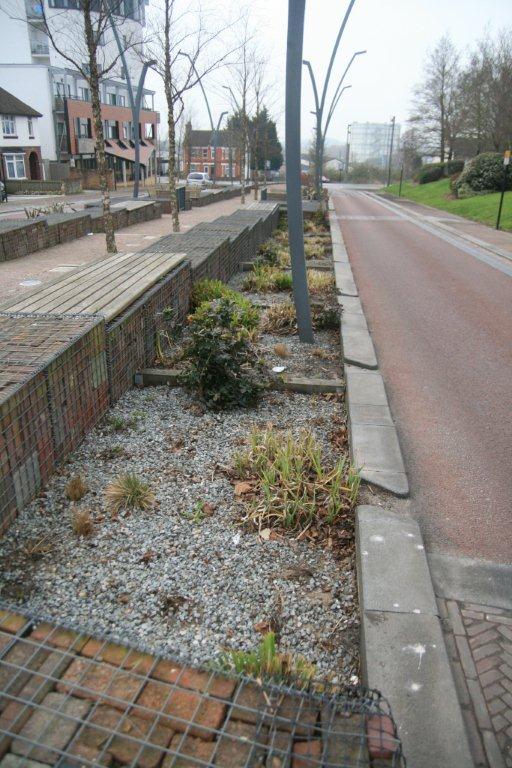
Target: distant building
(198,154)
(370,143)
(32,70)
(20,149)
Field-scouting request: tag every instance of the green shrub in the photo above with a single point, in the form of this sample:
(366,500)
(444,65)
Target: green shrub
(429,173)
(434,171)
(265,278)
(484,173)
(206,291)
(222,364)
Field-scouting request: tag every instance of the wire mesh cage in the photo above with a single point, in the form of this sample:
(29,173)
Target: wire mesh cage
(68,699)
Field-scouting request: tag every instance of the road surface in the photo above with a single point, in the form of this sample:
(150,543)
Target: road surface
(440,313)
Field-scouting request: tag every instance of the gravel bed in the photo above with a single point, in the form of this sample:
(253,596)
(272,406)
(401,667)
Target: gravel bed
(320,360)
(183,588)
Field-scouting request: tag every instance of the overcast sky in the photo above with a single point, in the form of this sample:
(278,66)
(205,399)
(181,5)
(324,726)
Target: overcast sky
(396,33)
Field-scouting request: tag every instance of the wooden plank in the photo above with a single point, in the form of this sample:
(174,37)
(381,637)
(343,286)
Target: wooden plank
(142,273)
(131,294)
(32,300)
(80,290)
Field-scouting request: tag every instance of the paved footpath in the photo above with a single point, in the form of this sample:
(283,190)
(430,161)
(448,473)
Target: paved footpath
(24,274)
(439,308)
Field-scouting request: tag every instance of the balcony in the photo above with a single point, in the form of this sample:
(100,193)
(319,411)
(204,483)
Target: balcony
(39,49)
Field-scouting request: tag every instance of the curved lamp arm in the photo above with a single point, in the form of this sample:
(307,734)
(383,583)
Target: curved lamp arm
(333,108)
(334,52)
(313,83)
(199,80)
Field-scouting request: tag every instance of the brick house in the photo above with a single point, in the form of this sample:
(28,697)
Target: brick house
(20,150)
(198,154)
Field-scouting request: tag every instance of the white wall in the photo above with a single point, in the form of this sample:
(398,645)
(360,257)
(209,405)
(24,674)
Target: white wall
(14,33)
(22,138)
(30,83)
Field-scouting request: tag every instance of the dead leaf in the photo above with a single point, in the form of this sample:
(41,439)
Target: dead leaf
(241,488)
(265,534)
(263,627)
(208,508)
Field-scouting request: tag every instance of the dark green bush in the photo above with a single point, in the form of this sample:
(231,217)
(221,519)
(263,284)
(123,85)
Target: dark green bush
(484,173)
(435,171)
(223,367)
(206,291)
(429,173)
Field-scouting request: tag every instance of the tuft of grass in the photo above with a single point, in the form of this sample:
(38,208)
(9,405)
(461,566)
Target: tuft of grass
(266,278)
(82,522)
(320,282)
(122,424)
(280,319)
(282,350)
(294,486)
(127,492)
(76,488)
(314,249)
(267,663)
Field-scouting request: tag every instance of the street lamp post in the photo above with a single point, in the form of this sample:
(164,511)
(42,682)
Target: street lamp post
(296,10)
(135,101)
(391,149)
(215,130)
(321,130)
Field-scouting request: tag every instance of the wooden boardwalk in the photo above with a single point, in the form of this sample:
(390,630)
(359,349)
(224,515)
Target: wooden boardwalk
(106,286)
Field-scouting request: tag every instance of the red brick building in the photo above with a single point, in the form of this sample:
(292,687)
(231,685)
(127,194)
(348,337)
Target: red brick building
(198,154)
(117,129)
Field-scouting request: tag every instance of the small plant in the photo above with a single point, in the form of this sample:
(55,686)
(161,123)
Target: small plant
(122,424)
(33,213)
(223,367)
(320,282)
(76,488)
(266,663)
(266,278)
(200,510)
(128,492)
(294,488)
(82,522)
(326,317)
(281,350)
(280,319)
(36,549)
(245,313)
(314,249)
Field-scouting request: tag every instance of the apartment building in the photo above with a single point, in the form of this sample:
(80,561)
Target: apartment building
(31,69)
(370,143)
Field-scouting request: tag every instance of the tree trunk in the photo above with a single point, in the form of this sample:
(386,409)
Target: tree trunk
(242,164)
(101,158)
(255,154)
(171,127)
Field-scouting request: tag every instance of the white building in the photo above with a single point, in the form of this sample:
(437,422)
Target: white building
(371,142)
(20,150)
(38,75)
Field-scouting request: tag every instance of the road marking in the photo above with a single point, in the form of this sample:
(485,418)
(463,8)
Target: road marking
(477,253)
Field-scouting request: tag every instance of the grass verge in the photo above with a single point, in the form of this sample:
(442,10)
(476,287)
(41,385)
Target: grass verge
(481,208)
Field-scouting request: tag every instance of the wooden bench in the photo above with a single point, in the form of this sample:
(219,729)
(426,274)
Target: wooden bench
(106,286)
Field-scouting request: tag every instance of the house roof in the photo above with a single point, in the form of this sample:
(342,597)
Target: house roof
(10,105)
(200,138)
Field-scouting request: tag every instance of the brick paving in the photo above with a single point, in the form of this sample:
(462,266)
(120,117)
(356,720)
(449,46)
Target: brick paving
(51,263)
(479,643)
(67,699)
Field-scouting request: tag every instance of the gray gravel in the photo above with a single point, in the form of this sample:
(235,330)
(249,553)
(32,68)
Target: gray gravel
(321,360)
(157,578)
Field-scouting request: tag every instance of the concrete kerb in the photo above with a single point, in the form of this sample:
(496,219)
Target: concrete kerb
(374,444)
(403,652)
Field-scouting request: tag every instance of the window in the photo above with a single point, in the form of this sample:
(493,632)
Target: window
(63,89)
(15,165)
(111,129)
(9,125)
(30,123)
(83,128)
(225,153)
(205,153)
(111,99)
(192,168)
(126,135)
(84,93)
(148,131)
(121,101)
(225,169)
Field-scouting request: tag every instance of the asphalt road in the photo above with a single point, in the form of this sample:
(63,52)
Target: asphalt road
(441,321)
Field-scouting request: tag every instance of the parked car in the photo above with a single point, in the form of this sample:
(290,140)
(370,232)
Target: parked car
(197,179)
(3,195)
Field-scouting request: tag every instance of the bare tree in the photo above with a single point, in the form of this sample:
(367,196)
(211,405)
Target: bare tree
(185,42)
(244,75)
(79,37)
(437,104)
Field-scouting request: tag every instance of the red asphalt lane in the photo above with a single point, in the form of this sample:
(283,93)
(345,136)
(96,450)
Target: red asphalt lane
(441,322)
